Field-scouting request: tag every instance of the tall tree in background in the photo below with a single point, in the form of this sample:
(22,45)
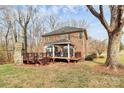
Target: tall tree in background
(114,30)
(81,23)
(7,25)
(37,27)
(52,21)
(100,46)
(23,19)
(96,46)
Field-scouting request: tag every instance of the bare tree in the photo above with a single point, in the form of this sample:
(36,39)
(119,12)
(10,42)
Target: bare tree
(15,32)
(23,19)
(52,21)
(74,23)
(114,30)
(100,47)
(6,24)
(37,28)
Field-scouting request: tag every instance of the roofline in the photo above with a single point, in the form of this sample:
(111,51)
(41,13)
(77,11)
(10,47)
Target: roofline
(82,30)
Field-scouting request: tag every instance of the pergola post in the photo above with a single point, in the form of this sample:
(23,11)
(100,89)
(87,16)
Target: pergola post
(53,52)
(73,52)
(68,53)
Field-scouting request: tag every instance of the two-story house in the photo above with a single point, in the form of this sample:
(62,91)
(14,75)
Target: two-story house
(65,43)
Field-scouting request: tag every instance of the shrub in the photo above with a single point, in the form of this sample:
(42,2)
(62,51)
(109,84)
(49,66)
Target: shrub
(101,57)
(89,58)
(2,57)
(94,55)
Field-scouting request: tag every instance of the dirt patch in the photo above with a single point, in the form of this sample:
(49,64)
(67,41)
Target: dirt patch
(103,69)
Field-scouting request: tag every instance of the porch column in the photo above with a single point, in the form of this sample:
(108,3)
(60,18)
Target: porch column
(73,52)
(68,50)
(53,51)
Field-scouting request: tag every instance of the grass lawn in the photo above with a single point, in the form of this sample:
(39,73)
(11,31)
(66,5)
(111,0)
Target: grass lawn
(60,75)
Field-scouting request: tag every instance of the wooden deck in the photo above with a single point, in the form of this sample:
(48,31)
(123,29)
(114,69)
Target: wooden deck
(44,58)
(66,58)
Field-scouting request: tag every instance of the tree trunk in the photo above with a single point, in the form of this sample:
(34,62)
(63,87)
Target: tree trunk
(24,39)
(7,52)
(112,60)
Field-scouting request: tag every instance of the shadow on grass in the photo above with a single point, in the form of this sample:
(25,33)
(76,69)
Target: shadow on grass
(98,62)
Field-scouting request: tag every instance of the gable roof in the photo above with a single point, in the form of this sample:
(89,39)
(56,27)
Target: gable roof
(64,30)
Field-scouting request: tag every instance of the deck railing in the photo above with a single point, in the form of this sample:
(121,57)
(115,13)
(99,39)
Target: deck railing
(64,54)
(33,58)
(44,58)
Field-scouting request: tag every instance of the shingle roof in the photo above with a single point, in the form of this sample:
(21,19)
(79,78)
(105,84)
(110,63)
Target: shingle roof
(62,41)
(64,30)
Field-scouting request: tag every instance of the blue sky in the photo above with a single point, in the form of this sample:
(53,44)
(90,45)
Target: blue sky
(95,30)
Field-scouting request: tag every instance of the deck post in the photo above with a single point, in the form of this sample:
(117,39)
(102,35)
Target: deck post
(68,53)
(53,51)
(73,52)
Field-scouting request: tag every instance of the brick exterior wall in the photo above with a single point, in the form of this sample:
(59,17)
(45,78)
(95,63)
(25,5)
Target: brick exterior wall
(79,44)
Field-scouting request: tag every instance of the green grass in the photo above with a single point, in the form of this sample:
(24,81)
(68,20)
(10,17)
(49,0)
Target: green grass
(102,60)
(122,58)
(61,75)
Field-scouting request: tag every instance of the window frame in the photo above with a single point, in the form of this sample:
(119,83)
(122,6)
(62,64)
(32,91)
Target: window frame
(80,35)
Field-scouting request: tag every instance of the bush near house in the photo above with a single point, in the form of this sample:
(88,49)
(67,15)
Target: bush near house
(4,57)
(101,56)
(91,57)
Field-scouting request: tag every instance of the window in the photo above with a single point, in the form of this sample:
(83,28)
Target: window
(80,35)
(62,36)
(68,37)
(48,39)
(65,36)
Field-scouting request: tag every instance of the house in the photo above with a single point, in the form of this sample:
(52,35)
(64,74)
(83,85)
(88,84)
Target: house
(68,43)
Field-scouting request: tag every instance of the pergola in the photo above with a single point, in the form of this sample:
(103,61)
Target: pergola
(62,43)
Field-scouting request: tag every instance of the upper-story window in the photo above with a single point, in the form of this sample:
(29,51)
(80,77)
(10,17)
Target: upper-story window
(68,36)
(65,36)
(80,35)
(62,36)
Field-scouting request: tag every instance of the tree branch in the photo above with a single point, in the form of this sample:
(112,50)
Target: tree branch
(119,16)
(27,20)
(100,16)
(20,20)
(113,11)
(101,10)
